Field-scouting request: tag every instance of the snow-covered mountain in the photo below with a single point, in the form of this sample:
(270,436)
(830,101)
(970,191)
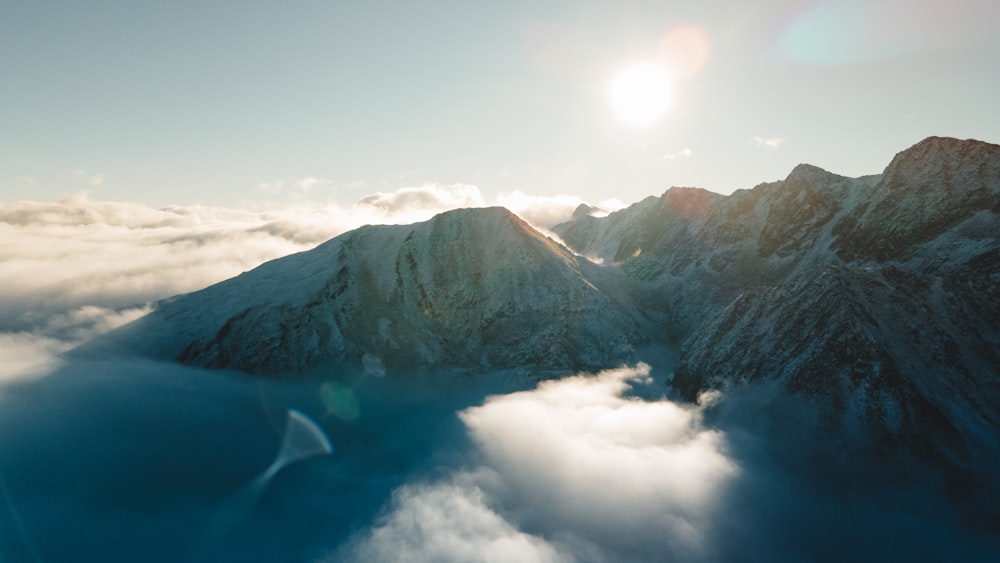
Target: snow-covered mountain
(875,299)
(469,288)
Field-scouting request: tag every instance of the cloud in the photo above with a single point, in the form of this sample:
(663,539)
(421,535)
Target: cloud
(577,469)
(32,353)
(294,187)
(92,179)
(683,153)
(545,212)
(572,470)
(427,197)
(422,202)
(448,521)
(767,142)
(308,183)
(59,257)
(541,211)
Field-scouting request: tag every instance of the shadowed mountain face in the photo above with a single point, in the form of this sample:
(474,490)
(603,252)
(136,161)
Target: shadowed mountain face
(875,300)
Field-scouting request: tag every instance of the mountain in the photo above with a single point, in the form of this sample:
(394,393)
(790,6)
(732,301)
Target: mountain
(470,288)
(691,251)
(875,300)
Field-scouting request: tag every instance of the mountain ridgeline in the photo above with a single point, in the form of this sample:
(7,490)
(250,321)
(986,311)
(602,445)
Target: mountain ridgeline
(876,299)
(471,288)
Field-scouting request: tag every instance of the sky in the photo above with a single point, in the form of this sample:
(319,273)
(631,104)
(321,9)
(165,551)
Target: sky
(253,104)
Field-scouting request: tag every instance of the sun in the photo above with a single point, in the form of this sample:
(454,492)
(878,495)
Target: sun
(641,93)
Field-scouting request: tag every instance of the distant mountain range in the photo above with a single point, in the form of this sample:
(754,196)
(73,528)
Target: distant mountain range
(877,297)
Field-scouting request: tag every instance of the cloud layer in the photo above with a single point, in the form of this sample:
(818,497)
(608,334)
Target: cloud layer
(576,469)
(66,260)
(77,251)
(573,470)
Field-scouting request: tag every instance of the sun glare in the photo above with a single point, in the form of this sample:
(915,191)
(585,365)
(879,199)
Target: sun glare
(641,94)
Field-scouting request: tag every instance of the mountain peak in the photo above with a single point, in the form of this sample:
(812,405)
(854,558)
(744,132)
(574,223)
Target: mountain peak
(475,287)
(690,202)
(926,190)
(935,159)
(495,213)
(583,210)
(810,174)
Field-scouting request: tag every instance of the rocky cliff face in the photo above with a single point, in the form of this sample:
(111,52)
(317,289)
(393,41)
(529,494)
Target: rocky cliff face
(925,191)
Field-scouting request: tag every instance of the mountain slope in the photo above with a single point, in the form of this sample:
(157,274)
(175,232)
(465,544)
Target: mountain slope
(875,300)
(469,288)
(925,191)
(691,251)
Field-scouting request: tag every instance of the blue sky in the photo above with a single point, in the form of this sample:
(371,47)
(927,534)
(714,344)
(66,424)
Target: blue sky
(227,102)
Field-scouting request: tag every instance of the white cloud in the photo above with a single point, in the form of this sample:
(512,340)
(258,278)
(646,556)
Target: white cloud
(310,182)
(541,211)
(56,257)
(767,142)
(59,257)
(445,522)
(422,202)
(683,153)
(294,186)
(576,462)
(30,353)
(427,197)
(94,179)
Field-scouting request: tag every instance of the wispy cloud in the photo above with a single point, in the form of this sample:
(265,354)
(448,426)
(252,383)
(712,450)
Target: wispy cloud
(293,186)
(767,142)
(432,197)
(308,183)
(94,179)
(686,152)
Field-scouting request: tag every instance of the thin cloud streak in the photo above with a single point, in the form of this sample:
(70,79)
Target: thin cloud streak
(767,142)
(686,152)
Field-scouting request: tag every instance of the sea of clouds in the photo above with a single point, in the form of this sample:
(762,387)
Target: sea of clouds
(74,268)
(125,460)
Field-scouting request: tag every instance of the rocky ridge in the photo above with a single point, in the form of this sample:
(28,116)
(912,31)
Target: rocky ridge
(876,299)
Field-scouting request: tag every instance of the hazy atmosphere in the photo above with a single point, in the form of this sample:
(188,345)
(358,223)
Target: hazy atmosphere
(150,150)
(226,103)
